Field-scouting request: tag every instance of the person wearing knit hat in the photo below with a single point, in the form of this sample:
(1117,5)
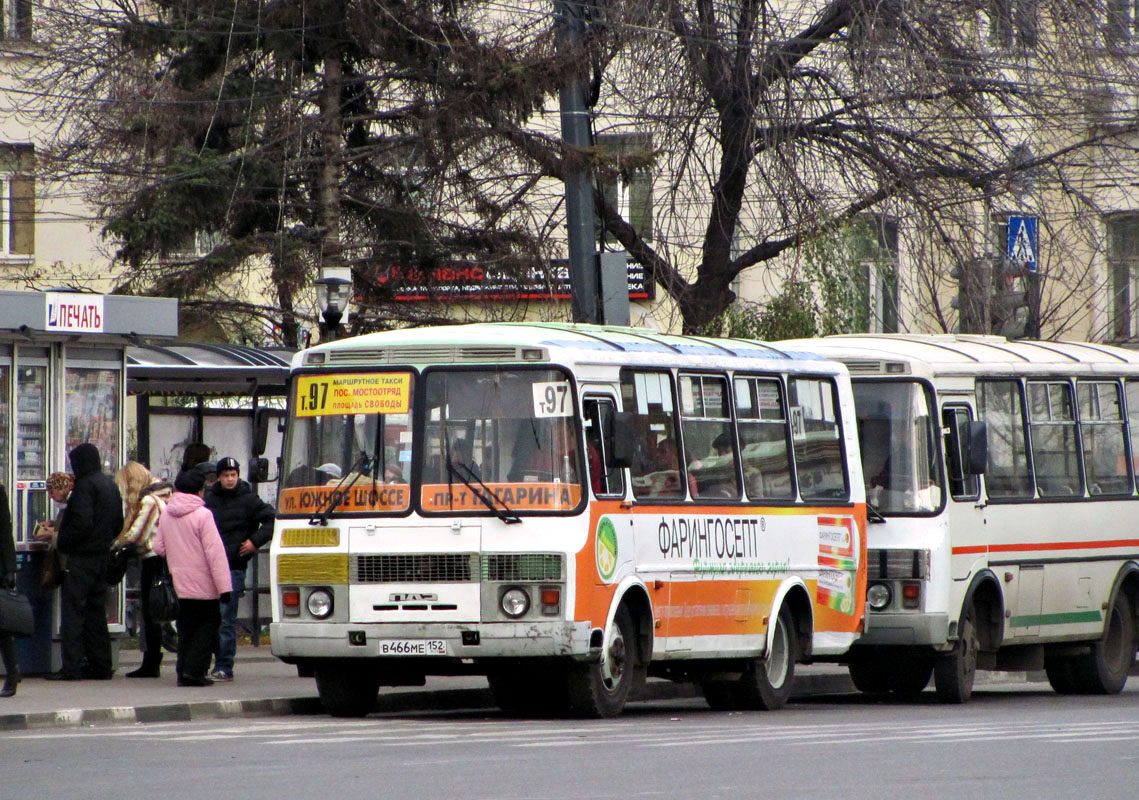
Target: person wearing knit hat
(245,522)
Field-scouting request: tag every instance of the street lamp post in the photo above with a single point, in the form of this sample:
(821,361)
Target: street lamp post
(332,296)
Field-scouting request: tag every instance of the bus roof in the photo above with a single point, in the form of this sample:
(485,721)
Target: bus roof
(868,354)
(505,342)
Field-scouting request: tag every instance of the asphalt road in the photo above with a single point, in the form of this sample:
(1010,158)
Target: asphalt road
(1023,742)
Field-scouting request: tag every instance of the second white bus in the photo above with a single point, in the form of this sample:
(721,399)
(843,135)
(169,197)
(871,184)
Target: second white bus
(1002,509)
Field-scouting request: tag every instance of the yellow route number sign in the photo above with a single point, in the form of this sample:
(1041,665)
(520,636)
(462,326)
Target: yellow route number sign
(355,393)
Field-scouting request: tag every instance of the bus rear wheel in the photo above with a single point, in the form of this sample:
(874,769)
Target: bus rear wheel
(347,688)
(1104,669)
(601,690)
(766,686)
(954,672)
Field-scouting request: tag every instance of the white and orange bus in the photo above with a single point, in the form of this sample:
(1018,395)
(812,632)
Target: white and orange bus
(1001,489)
(566,510)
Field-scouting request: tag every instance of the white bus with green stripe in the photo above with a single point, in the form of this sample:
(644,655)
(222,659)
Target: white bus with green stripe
(1003,516)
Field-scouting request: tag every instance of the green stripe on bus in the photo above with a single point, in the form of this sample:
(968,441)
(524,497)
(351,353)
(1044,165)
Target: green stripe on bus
(1030,620)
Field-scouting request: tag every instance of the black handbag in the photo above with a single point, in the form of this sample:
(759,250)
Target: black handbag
(117,565)
(163,599)
(16,613)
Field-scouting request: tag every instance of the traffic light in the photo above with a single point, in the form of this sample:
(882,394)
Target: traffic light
(1009,305)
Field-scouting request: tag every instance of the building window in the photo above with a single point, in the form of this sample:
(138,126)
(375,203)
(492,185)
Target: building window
(17,19)
(626,182)
(1123,266)
(1122,19)
(877,243)
(17,201)
(1012,23)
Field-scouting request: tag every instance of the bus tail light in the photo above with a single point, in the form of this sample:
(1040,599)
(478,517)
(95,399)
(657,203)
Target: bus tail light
(291,602)
(911,594)
(551,601)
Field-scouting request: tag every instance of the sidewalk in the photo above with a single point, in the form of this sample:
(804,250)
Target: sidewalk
(264,686)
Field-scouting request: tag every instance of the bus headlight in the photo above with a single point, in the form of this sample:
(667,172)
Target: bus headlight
(878,596)
(515,602)
(319,603)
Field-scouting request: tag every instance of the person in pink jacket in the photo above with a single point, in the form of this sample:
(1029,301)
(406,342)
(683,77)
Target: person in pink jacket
(194,552)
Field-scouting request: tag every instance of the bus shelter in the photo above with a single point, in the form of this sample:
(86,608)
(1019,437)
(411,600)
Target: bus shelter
(63,382)
(220,399)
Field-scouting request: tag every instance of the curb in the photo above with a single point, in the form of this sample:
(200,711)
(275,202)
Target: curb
(394,702)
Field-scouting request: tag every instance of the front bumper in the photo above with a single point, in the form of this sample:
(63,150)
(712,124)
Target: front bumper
(295,640)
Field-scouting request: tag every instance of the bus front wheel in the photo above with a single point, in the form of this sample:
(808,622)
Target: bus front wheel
(600,690)
(347,689)
(953,673)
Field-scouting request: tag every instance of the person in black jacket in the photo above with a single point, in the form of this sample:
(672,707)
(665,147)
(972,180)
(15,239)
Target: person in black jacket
(8,579)
(245,522)
(91,521)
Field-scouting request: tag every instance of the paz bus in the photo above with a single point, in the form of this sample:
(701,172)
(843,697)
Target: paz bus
(1002,509)
(566,509)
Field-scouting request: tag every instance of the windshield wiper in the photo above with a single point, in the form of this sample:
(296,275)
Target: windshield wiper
(320,516)
(482,492)
(872,513)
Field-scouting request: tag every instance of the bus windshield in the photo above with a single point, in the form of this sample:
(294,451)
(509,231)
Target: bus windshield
(510,433)
(350,431)
(896,436)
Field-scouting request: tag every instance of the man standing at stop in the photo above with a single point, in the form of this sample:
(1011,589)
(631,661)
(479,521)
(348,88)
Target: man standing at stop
(245,522)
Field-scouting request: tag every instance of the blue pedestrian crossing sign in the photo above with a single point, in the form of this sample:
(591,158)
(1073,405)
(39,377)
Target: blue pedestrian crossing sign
(1022,243)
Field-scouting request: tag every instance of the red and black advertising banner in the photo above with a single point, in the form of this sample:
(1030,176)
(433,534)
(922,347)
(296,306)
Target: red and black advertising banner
(460,281)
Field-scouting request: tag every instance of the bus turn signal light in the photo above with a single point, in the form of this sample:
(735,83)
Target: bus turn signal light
(911,594)
(291,602)
(551,601)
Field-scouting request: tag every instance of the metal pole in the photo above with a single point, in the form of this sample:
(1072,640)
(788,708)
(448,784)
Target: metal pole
(579,190)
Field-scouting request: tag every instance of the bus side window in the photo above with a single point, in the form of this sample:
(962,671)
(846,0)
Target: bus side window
(604,477)
(816,439)
(655,470)
(962,486)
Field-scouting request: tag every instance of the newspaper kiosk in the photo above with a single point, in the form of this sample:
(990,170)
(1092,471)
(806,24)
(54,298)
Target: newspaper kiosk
(63,382)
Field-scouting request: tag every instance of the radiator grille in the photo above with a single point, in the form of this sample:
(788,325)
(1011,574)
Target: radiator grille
(522,567)
(415,568)
(897,564)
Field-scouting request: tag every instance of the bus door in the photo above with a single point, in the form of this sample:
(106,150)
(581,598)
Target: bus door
(966,510)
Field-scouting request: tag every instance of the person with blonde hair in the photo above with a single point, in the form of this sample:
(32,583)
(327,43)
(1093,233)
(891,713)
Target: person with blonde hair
(145,497)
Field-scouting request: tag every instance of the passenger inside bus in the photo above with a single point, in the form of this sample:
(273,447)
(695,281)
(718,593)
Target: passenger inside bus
(714,475)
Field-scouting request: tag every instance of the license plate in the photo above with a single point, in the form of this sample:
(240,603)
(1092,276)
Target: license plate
(413,647)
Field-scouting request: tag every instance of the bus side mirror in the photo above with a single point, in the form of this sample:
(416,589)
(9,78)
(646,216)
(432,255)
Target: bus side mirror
(977,456)
(623,440)
(259,470)
(260,431)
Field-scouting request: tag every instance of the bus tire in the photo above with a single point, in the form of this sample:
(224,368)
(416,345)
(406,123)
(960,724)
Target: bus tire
(954,672)
(1104,669)
(601,690)
(1061,674)
(766,686)
(347,689)
(720,695)
(870,675)
(911,675)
